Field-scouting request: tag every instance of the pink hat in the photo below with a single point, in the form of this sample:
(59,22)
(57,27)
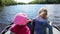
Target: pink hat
(20,18)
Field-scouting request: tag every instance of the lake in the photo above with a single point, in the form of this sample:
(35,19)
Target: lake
(7,13)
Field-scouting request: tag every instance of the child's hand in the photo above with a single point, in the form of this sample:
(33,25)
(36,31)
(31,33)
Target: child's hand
(13,33)
(51,23)
(29,20)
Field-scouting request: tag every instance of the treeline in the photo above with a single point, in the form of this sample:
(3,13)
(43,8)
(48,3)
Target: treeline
(45,2)
(12,2)
(8,2)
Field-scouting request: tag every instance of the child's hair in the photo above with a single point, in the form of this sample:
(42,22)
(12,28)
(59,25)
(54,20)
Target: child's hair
(20,18)
(42,10)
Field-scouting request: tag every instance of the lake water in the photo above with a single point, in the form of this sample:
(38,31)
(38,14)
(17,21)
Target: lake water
(7,13)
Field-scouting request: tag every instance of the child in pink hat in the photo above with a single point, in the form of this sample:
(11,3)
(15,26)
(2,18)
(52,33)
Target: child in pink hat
(20,24)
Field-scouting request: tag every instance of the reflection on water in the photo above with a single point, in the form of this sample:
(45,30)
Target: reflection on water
(8,12)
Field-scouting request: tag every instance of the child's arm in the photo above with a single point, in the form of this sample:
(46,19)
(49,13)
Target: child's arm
(50,28)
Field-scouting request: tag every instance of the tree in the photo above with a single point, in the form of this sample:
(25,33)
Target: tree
(45,2)
(7,2)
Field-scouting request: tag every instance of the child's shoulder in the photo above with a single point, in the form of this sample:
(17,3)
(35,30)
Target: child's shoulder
(13,28)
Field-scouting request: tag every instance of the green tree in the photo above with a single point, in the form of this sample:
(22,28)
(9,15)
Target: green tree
(0,2)
(45,2)
(10,2)
(7,2)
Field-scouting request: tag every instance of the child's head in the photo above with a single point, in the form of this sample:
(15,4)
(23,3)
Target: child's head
(43,12)
(20,19)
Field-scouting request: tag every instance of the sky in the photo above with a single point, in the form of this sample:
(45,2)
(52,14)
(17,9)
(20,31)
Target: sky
(24,1)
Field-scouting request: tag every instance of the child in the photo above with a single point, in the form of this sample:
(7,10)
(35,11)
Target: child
(20,24)
(41,23)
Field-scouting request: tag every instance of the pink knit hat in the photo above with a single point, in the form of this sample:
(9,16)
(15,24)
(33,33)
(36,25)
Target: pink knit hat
(20,18)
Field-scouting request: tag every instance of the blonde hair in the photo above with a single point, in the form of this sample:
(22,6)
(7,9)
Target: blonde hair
(42,10)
